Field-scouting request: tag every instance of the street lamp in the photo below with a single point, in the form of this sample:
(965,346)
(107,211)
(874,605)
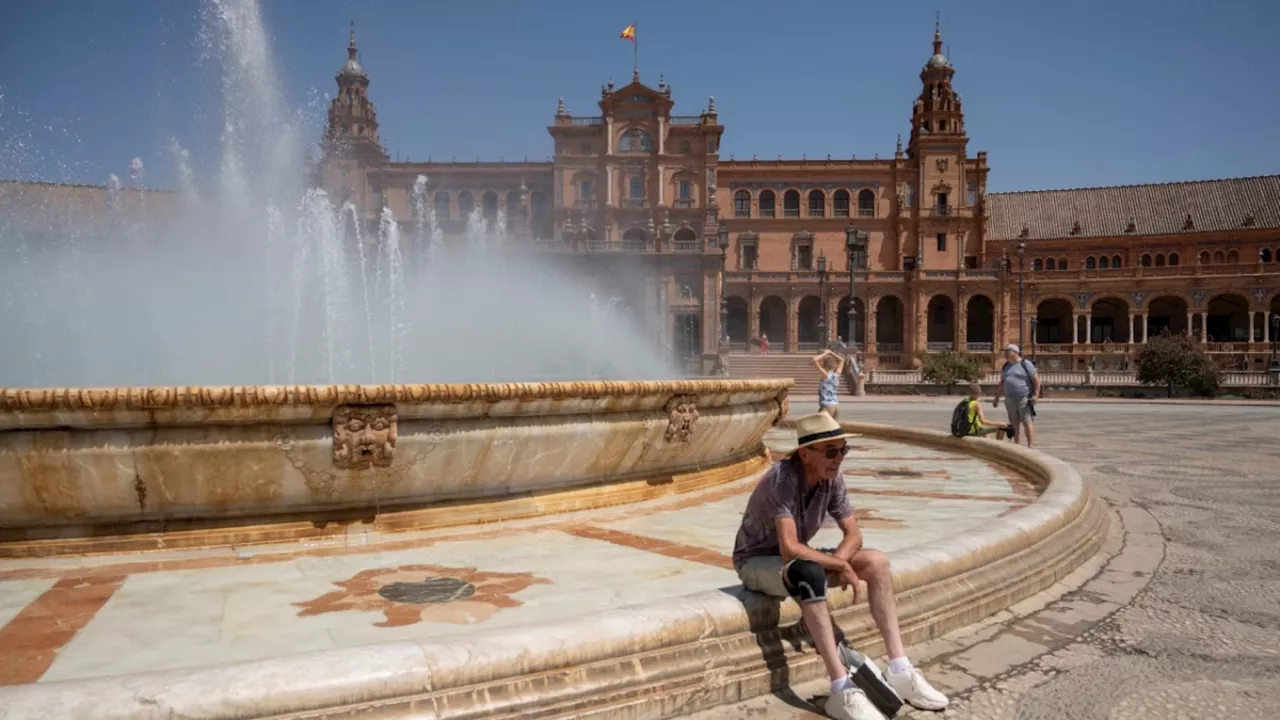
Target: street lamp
(822,298)
(1022,251)
(722,341)
(855,241)
(1275,344)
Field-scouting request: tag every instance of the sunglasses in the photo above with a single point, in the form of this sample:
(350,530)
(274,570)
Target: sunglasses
(835,452)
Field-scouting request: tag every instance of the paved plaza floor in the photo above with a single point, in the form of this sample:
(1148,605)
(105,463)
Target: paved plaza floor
(1179,617)
(71,618)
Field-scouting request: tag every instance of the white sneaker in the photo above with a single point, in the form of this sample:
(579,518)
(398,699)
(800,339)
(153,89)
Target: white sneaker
(851,704)
(914,689)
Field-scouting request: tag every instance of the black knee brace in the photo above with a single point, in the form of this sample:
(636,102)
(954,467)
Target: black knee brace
(805,580)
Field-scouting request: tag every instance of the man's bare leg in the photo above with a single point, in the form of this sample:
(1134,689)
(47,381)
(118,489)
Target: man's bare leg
(873,567)
(1030,430)
(817,620)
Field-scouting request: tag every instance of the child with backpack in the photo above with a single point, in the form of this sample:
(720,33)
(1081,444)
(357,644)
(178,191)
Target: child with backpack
(968,418)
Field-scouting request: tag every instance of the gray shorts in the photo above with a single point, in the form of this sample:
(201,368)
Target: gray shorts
(1019,410)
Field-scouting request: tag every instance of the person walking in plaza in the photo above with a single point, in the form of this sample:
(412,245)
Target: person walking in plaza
(1020,386)
(830,366)
(772,556)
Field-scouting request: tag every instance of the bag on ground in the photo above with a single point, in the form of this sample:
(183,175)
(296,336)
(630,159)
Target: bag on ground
(866,676)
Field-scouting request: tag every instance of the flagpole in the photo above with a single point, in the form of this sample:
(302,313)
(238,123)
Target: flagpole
(635,52)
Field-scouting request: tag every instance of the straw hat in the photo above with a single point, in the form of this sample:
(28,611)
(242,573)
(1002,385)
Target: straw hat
(816,428)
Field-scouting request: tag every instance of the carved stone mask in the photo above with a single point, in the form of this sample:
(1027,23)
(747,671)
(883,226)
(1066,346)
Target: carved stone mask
(364,436)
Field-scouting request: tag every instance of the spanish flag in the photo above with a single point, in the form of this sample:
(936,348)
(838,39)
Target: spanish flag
(629,33)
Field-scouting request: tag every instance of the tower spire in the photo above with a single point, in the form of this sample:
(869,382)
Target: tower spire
(351,43)
(937,33)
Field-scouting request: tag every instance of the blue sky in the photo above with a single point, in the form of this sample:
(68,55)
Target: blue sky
(1059,94)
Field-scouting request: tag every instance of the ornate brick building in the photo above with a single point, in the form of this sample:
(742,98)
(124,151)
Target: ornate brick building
(640,198)
(640,191)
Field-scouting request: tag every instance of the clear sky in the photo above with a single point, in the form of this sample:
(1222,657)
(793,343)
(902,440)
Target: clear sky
(1092,92)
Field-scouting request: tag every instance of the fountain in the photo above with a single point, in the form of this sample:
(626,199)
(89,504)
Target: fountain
(240,368)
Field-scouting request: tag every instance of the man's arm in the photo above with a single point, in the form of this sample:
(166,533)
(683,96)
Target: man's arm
(1035,382)
(852,542)
(791,547)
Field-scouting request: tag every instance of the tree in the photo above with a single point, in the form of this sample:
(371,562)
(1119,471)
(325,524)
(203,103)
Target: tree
(949,368)
(1177,361)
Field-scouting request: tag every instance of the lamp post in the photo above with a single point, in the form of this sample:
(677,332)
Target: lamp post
(722,338)
(855,242)
(1022,251)
(1034,328)
(822,298)
(1275,344)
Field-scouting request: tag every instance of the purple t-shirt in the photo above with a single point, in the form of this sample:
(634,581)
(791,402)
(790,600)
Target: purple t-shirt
(779,495)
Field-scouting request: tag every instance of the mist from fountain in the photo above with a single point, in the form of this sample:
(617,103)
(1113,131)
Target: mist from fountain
(256,278)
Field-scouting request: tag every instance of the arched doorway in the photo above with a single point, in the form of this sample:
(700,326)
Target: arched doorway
(842,321)
(980,324)
(490,203)
(737,322)
(466,205)
(687,342)
(890,329)
(513,205)
(685,239)
(940,326)
(773,322)
(807,332)
(1227,319)
(1166,313)
(1053,323)
(633,239)
(1109,320)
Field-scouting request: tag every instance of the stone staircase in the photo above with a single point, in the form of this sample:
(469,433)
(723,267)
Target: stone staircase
(798,367)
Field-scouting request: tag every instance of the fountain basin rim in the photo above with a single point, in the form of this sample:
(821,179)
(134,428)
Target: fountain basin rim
(942,585)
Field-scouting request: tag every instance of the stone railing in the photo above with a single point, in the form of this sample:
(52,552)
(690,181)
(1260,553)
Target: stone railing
(1068,379)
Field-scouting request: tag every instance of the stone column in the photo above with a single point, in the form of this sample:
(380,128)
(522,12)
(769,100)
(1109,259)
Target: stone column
(753,315)
(1266,328)
(1075,328)
(608,185)
(792,343)
(1088,329)
(867,319)
(1190,324)
(961,334)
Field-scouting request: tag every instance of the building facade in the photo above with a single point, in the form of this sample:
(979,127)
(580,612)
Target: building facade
(641,201)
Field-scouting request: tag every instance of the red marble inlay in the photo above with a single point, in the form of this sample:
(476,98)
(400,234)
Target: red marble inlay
(30,642)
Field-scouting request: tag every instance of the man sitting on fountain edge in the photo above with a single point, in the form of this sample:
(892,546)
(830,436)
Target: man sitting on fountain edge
(772,556)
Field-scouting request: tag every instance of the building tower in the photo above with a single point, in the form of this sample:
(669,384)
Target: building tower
(937,118)
(351,145)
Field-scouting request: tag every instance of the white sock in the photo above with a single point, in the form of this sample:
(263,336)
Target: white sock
(839,686)
(897,666)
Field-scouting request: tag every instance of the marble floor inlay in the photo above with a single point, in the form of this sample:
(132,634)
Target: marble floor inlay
(67,618)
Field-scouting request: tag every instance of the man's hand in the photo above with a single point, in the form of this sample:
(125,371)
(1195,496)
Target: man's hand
(849,579)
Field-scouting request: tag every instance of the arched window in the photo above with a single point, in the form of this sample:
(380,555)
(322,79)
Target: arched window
(1104,262)
(1146,260)
(442,205)
(636,187)
(817,203)
(1160,260)
(866,203)
(490,201)
(1265,256)
(1090,263)
(742,204)
(1062,264)
(1203,257)
(1219,257)
(636,140)
(1173,258)
(1050,264)
(1233,257)
(840,203)
(1115,262)
(791,203)
(1037,265)
(767,200)
(466,204)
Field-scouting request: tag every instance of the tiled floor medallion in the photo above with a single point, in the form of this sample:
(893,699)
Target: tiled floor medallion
(424,593)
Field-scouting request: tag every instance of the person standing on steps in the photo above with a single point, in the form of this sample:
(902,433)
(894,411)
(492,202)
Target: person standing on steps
(1020,385)
(830,366)
(772,556)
